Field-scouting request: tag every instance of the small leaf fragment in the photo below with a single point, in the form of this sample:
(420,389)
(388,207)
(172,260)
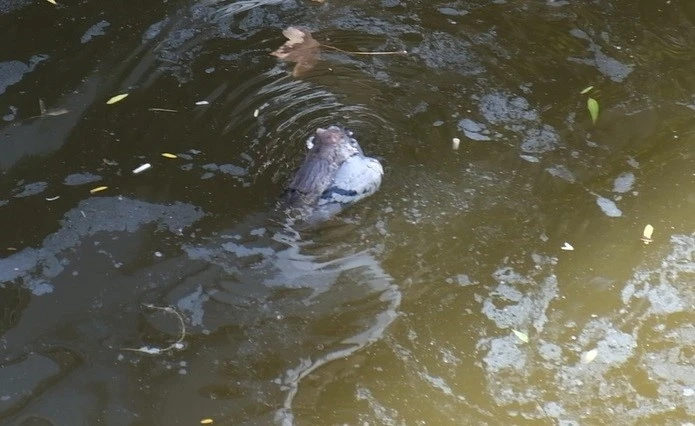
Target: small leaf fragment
(255,113)
(592,105)
(97,189)
(116,98)
(586,90)
(455,142)
(169,155)
(587,357)
(567,247)
(52,2)
(522,336)
(142,168)
(647,234)
(52,198)
(206,422)
(202,103)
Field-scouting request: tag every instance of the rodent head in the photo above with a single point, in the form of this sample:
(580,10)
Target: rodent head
(335,142)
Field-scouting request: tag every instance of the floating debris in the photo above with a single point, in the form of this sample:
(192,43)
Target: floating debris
(608,207)
(52,198)
(455,142)
(586,90)
(474,130)
(142,168)
(80,179)
(255,113)
(647,234)
(624,182)
(98,189)
(49,112)
(109,162)
(169,155)
(567,247)
(300,48)
(116,98)
(592,105)
(561,171)
(31,189)
(54,112)
(176,345)
(202,103)
(587,357)
(52,2)
(529,158)
(522,336)
(633,163)
(162,110)
(206,422)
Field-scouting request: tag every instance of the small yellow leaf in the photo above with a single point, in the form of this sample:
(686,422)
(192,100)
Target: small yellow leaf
(522,336)
(592,105)
(169,155)
(206,422)
(587,357)
(116,98)
(52,2)
(586,90)
(97,189)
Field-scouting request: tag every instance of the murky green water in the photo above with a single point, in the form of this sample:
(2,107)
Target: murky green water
(402,310)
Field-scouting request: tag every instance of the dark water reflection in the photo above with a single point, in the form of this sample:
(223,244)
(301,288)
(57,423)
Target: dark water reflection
(401,311)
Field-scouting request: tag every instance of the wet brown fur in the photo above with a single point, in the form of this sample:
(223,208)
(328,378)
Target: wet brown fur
(320,165)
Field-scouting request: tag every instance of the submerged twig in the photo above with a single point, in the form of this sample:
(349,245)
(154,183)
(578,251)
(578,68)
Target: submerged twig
(301,48)
(176,345)
(352,52)
(162,110)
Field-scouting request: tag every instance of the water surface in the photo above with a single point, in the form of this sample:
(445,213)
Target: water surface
(403,310)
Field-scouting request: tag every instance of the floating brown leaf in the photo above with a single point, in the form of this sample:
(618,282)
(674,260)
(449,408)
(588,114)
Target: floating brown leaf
(300,48)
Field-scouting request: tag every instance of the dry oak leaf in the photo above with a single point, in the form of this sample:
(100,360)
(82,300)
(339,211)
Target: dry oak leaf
(300,48)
